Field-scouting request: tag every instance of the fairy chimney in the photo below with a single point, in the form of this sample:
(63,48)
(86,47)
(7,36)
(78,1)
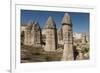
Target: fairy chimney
(67,38)
(27,34)
(60,36)
(84,41)
(33,34)
(36,34)
(51,35)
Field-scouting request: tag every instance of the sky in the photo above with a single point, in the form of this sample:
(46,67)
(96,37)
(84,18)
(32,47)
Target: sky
(80,21)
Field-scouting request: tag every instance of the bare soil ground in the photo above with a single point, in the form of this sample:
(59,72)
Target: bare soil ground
(37,54)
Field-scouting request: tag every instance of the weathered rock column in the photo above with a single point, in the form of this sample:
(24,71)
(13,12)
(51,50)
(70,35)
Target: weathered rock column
(27,39)
(33,34)
(36,35)
(60,36)
(81,54)
(84,39)
(51,35)
(67,38)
